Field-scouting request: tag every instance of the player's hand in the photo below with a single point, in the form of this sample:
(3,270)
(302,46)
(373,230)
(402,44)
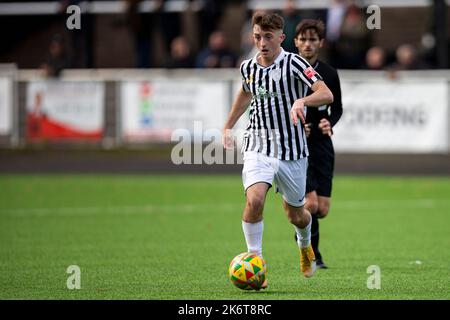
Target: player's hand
(227,139)
(298,112)
(308,129)
(325,127)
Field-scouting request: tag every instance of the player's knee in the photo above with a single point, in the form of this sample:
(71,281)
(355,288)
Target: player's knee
(255,205)
(293,218)
(297,218)
(322,211)
(312,205)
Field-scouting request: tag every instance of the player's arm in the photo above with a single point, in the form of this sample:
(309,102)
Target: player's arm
(326,125)
(336,107)
(321,95)
(239,106)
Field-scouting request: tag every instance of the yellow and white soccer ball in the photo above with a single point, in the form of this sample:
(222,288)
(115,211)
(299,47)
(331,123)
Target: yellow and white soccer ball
(247,271)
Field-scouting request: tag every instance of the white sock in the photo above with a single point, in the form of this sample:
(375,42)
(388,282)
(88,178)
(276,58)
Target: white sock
(303,235)
(253,236)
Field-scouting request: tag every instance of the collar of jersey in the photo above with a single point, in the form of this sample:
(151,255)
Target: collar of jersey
(276,61)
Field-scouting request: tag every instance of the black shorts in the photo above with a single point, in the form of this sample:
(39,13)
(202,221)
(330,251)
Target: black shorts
(320,167)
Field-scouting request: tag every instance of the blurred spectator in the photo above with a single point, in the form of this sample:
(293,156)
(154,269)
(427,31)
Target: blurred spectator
(407,59)
(180,54)
(56,60)
(353,41)
(145,25)
(291,20)
(169,25)
(141,27)
(209,19)
(335,18)
(217,54)
(80,41)
(375,58)
(429,49)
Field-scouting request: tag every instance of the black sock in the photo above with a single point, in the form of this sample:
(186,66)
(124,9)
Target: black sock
(315,235)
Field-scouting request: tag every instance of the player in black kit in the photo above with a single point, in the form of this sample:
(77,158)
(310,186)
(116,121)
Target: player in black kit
(309,38)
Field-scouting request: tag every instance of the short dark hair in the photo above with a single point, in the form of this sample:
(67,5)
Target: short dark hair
(317,25)
(268,20)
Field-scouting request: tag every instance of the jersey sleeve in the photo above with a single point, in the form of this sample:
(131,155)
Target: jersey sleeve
(304,71)
(336,109)
(245,78)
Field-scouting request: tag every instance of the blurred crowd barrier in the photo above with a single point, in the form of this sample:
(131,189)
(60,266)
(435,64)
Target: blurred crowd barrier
(384,112)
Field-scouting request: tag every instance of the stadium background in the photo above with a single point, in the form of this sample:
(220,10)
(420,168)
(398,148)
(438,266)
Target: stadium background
(110,113)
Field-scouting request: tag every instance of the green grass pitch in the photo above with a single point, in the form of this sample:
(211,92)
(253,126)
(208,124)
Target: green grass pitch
(172,237)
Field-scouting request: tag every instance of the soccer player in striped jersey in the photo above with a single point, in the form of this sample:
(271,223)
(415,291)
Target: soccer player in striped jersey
(309,35)
(275,84)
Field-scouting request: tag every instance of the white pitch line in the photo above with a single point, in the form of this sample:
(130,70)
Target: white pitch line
(186,208)
(405,203)
(216,207)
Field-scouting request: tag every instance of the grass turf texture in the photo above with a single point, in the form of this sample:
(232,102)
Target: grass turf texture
(172,237)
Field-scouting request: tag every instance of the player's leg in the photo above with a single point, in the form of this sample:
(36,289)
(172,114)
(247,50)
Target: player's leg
(257,177)
(323,206)
(300,218)
(318,206)
(291,183)
(252,218)
(312,204)
(324,162)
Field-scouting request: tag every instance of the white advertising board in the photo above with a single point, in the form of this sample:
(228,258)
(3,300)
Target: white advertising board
(393,117)
(153,110)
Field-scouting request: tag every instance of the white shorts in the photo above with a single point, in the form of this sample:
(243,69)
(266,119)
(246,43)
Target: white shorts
(289,176)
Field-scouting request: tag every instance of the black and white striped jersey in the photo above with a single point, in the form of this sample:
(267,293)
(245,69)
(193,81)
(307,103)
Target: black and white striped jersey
(274,89)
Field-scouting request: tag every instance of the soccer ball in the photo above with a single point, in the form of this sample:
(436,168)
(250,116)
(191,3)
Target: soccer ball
(247,271)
